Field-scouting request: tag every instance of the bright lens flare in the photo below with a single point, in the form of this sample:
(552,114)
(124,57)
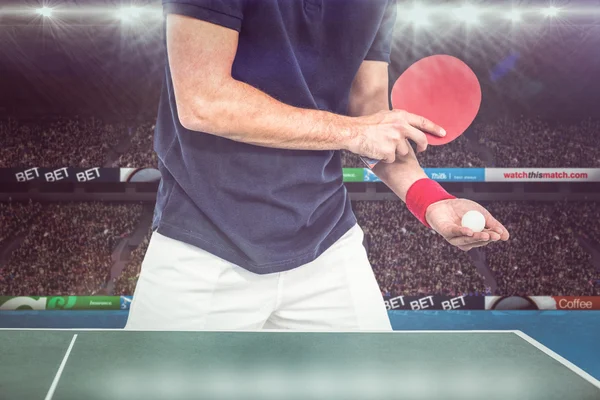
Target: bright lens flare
(44,11)
(515,16)
(419,15)
(468,14)
(128,14)
(550,11)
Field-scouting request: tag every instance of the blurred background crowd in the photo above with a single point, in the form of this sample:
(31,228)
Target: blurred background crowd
(69,249)
(89,142)
(60,248)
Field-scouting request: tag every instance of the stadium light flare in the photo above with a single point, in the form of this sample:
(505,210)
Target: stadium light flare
(419,15)
(550,11)
(515,15)
(128,13)
(44,11)
(468,14)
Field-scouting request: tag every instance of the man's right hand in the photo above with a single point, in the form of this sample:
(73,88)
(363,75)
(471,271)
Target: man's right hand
(383,136)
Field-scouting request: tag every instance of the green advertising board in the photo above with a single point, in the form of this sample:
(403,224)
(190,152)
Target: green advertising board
(354,174)
(22,303)
(60,303)
(83,303)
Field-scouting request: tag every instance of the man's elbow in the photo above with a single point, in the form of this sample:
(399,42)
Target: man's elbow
(196,115)
(188,119)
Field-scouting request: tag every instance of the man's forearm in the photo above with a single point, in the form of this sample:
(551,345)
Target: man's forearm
(400,175)
(240,112)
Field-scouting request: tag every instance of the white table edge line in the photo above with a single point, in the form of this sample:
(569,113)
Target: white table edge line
(255,331)
(60,369)
(560,359)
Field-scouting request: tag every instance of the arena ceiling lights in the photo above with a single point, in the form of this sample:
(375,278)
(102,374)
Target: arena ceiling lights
(44,11)
(418,13)
(64,13)
(550,11)
(468,14)
(421,14)
(515,15)
(129,14)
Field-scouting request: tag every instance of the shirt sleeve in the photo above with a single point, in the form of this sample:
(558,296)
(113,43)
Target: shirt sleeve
(382,45)
(226,13)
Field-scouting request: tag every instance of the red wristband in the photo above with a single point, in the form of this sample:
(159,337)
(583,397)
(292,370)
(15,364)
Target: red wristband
(422,194)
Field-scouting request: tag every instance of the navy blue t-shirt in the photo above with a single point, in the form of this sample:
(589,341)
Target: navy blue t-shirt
(269,210)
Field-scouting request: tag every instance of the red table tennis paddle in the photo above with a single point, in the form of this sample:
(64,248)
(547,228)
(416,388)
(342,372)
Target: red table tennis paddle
(442,89)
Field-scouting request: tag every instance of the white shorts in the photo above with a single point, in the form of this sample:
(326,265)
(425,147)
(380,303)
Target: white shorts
(182,287)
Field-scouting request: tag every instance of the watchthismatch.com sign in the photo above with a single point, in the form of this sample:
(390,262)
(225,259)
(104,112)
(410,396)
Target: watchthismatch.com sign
(416,303)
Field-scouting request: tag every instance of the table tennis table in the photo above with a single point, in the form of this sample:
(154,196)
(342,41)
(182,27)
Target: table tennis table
(443,365)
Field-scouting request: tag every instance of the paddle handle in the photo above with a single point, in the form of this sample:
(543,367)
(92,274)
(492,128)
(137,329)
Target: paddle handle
(369,162)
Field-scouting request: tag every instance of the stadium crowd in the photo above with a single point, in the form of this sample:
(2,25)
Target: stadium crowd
(65,249)
(125,283)
(537,144)
(141,153)
(542,257)
(504,143)
(15,218)
(409,259)
(57,142)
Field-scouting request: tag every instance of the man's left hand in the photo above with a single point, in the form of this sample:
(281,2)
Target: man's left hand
(445,218)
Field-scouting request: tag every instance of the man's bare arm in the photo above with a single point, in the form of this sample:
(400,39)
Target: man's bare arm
(369,95)
(210,100)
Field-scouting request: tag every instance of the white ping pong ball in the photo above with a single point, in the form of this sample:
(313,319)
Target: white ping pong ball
(474,220)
